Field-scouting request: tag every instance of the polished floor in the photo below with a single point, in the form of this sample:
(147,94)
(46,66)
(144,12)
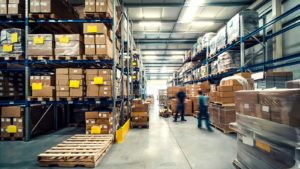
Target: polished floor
(165,145)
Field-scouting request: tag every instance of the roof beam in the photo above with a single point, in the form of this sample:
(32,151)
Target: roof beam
(166,32)
(161,5)
(158,50)
(159,63)
(175,21)
(150,41)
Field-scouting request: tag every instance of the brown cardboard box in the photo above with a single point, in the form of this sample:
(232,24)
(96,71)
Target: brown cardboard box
(35,6)
(188,107)
(105,88)
(62,82)
(92,90)
(18,121)
(293,84)
(140,114)
(5,121)
(44,48)
(76,92)
(107,83)
(195,103)
(226,94)
(105,93)
(226,100)
(104,6)
(237,88)
(90,49)
(14,8)
(105,72)
(246,101)
(102,39)
(62,94)
(12,111)
(3,9)
(47,91)
(35,79)
(103,49)
(224,88)
(137,101)
(68,45)
(205,86)
(75,71)
(245,75)
(92,115)
(76,77)
(140,108)
(62,71)
(47,80)
(91,71)
(46,6)
(89,40)
(94,28)
(90,6)
(62,88)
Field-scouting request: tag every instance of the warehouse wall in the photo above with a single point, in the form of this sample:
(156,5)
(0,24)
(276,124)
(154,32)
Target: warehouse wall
(290,41)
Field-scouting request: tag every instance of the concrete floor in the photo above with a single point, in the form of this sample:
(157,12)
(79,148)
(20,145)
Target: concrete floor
(165,145)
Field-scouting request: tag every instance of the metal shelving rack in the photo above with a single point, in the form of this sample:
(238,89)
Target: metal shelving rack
(28,67)
(243,43)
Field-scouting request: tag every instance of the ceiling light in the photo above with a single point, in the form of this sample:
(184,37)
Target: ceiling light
(149,53)
(150,57)
(152,24)
(202,23)
(190,11)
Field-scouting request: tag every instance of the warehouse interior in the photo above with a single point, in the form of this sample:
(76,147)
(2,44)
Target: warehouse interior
(98,84)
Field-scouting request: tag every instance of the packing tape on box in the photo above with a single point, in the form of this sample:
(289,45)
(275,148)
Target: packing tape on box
(98,80)
(263,146)
(96,130)
(37,86)
(7,48)
(74,84)
(92,29)
(14,37)
(64,39)
(11,129)
(38,40)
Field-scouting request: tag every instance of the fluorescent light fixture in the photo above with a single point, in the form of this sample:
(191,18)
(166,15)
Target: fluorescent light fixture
(202,23)
(150,57)
(149,52)
(190,11)
(177,57)
(151,24)
(178,52)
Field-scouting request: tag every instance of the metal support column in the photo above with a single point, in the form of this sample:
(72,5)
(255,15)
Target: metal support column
(128,68)
(265,42)
(114,66)
(277,45)
(121,54)
(27,73)
(242,43)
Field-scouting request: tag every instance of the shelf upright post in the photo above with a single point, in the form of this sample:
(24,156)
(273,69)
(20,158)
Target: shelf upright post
(242,43)
(128,71)
(27,72)
(122,65)
(131,56)
(206,62)
(265,41)
(114,65)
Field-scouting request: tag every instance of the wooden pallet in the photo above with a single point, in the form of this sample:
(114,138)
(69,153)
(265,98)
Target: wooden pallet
(12,57)
(97,15)
(69,98)
(238,165)
(79,150)
(75,125)
(133,125)
(68,57)
(96,57)
(11,16)
(42,16)
(35,98)
(40,57)
(12,138)
(225,131)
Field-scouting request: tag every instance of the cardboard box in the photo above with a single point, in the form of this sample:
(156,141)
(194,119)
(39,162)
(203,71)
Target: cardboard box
(76,77)
(104,6)
(14,8)
(91,71)
(62,94)
(140,108)
(90,6)
(139,114)
(62,82)
(102,39)
(226,94)
(47,80)
(12,111)
(62,88)
(35,6)
(18,121)
(105,93)
(75,71)
(76,92)
(89,40)
(246,101)
(94,28)
(90,49)
(226,100)
(68,45)
(62,71)
(104,49)
(92,90)
(91,115)
(47,91)
(105,72)
(225,88)
(245,75)
(237,88)
(40,44)
(3,9)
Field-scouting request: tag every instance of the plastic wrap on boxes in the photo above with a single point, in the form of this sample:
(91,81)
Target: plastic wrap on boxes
(263,144)
(199,44)
(212,46)
(40,44)
(250,19)
(206,39)
(214,67)
(194,50)
(221,38)
(229,60)
(236,80)
(203,71)
(67,45)
(12,37)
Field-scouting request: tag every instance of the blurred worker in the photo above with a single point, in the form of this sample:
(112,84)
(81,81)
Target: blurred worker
(180,105)
(203,102)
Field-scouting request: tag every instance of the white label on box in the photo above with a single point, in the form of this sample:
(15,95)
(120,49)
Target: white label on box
(246,106)
(62,88)
(104,115)
(266,108)
(14,119)
(20,130)
(20,121)
(93,122)
(102,3)
(104,72)
(86,3)
(101,36)
(7,120)
(105,88)
(248,140)
(86,121)
(43,4)
(102,46)
(105,92)
(105,127)
(75,71)
(136,118)
(2,120)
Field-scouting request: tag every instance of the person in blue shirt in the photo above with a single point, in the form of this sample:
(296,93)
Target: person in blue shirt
(203,113)
(180,105)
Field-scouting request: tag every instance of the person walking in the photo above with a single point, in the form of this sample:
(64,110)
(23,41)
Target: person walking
(180,105)
(203,113)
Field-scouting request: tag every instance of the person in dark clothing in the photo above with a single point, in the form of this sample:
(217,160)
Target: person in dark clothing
(180,105)
(203,113)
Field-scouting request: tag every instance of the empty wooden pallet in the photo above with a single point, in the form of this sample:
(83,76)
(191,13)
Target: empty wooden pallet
(78,151)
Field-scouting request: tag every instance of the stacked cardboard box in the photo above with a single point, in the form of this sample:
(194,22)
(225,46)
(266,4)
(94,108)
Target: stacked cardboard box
(11,7)
(97,39)
(68,45)
(12,122)
(98,6)
(11,43)
(222,116)
(188,107)
(99,82)
(104,120)
(140,115)
(293,84)
(192,90)
(272,116)
(12,85)
(42,86)
(173,90)
(40,45)
(61,9)
(69,82)
(274,79)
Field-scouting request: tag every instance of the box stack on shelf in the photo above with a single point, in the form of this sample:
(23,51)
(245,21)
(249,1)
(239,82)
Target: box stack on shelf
(274,79)
(11,46)
(98,8)
(42,88)
(40,46)
(99,83)
(99,122)
(12,85)
(68,46)
(140,114)
(12,123)
(12,8)
(268,123)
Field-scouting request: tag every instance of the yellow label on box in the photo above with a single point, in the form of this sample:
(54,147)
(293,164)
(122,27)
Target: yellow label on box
(38,40)
(37,86)
(133,63)
(92,29)
(74,83)
(263,146)
(7,48)
(133,77)
(14,37)
(96,130)
(64,39)
(98,80)
(11,129)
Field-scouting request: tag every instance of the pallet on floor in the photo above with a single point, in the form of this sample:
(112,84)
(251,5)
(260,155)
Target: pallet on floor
(225,131)
(96,57)
(68,98)
(79,150)
(68,57)
(37,98)
(139,125)
(13,138)
(40,57)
